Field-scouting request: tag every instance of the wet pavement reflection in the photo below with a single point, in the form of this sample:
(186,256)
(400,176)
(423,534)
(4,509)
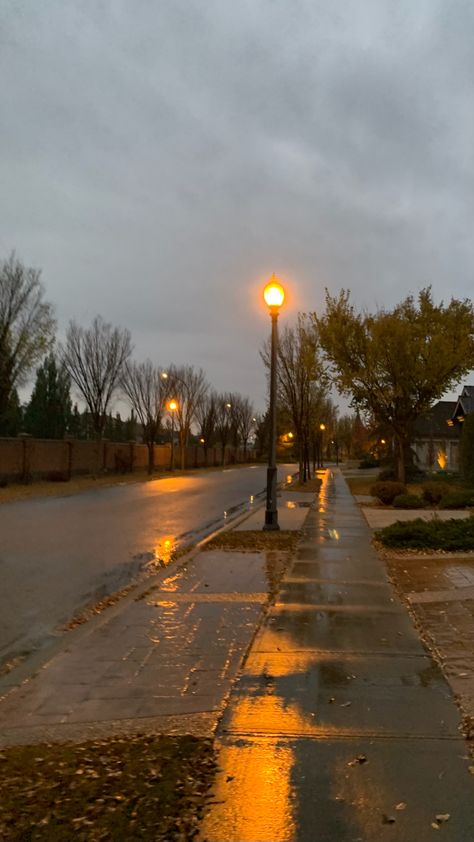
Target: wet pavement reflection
(339,714)
(166,659)
(76,550)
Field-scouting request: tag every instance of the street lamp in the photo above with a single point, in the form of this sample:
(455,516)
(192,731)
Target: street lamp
(322,427)
(274,295)
(172,407)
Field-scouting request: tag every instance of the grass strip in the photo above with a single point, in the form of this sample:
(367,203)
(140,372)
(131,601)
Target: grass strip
(137,787)
(254,541)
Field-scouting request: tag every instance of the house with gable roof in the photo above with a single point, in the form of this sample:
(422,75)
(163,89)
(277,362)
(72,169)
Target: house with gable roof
(464,405)
(438,433)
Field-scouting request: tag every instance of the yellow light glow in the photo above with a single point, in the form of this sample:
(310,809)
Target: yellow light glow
(322,427)
(172,405)
(382,441)
(274,294)
(441,459)
(290,435)
(202,441)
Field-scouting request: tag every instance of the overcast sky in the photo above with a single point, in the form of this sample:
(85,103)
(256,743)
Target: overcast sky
(160,158)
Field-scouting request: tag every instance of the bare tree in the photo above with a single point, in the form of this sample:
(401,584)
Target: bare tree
(147,391)
(246,421)
(206,417)
(94,359)
(188,386)
(301,381)
(225,421)
(26,326)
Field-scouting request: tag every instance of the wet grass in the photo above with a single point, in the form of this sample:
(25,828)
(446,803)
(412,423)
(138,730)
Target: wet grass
(254,541)
(132,788)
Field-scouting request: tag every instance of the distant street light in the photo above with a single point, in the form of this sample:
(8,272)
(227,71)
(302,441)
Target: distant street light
(274,295)
(172,407)
(322,427)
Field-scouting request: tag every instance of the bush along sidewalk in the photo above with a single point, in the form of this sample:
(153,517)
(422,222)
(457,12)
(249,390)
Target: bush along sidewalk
(449,535)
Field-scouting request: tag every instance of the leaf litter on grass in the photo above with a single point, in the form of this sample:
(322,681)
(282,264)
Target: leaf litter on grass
(134,787)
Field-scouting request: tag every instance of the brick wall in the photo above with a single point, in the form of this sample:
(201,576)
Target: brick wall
(26,458)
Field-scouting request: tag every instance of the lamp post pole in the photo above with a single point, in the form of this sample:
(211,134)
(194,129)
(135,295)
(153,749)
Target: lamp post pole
(172,406)
(322,427)
(274,295)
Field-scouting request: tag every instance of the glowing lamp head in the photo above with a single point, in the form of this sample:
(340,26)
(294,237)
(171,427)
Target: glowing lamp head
(322,427)
(173,405)
(274,294)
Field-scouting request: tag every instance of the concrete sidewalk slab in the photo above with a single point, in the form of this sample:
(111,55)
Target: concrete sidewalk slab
(341,727)
(165,661)
(306,790)
(293,509)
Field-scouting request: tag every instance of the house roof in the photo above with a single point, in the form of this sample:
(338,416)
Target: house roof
(434,424)
(464,403)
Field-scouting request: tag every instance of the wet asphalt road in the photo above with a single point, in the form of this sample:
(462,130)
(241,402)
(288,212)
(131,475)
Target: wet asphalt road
(58,555)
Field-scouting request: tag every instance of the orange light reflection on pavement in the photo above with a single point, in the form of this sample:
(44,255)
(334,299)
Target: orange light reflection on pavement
(165,548)
(259,805)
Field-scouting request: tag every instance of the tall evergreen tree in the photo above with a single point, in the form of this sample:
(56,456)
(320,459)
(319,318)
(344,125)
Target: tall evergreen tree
(11,420)
(48,414)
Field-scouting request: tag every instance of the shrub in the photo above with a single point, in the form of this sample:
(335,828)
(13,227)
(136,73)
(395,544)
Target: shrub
(457,500)
(387,491)
(414,474)
(387,473)
(429,534)
(434,491)
(408,501)
(369,461)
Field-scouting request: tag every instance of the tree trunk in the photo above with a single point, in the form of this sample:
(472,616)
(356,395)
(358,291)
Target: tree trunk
(151,456)
(400,459)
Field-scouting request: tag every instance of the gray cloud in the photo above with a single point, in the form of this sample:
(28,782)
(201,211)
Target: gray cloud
(158,160)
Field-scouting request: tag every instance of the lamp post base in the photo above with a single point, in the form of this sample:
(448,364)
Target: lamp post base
(271,521)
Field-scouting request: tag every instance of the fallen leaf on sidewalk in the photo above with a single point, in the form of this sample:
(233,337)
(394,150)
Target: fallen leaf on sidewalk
(388,819)
(345,704)
(471,769)
(443,817)
(358,761)
(401,806)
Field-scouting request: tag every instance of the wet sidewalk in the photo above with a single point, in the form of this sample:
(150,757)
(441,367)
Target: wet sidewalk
(341,727)
(162,660)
